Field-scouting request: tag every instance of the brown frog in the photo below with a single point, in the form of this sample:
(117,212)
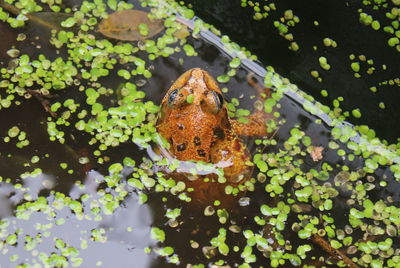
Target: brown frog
(195,122)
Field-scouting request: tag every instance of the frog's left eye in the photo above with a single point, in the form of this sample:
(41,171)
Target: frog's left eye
(219,100)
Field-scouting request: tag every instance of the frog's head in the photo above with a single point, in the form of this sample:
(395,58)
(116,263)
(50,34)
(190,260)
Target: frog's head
(195,87)
(192,111)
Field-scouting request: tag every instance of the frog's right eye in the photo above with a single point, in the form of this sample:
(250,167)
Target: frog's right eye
(176,98)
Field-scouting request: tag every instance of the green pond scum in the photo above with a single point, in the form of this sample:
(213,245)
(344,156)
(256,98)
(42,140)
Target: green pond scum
(80,186)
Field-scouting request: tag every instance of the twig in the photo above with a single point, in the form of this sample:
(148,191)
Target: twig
(16,11)
(337,254)
(10,8)
(43,100)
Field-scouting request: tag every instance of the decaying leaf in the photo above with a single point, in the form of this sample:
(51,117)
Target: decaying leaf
(127,25)
(182,33)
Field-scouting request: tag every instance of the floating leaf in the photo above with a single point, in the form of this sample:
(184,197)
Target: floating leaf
(128,25)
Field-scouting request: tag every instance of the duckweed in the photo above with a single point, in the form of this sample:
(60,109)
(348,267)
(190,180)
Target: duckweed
(356,113)
(235,63)
(328,42)
(223,78)
(158,234)
(324,63)
(189,50)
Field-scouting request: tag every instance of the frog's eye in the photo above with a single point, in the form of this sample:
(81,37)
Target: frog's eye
(219,100)
(176,98)
(213,102)
(172,96)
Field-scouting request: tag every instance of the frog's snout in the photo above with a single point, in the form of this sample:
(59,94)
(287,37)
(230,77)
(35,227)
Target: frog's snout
(198,74)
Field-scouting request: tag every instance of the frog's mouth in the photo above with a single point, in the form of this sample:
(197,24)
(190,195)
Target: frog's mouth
(171,164)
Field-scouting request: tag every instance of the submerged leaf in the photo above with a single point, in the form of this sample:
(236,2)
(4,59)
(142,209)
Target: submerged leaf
(182,33)
(128,25)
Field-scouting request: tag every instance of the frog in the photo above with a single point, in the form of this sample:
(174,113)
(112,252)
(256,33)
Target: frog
(195,122)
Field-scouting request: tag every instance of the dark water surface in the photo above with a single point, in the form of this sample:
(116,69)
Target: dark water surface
(338,20)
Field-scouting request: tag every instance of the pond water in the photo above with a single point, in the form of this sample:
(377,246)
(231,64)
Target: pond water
(337,20)
(78,187)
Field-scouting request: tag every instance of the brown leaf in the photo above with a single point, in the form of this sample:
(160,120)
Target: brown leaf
(124,25)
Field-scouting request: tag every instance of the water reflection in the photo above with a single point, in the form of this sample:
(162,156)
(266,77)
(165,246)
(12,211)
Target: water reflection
(127,231)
